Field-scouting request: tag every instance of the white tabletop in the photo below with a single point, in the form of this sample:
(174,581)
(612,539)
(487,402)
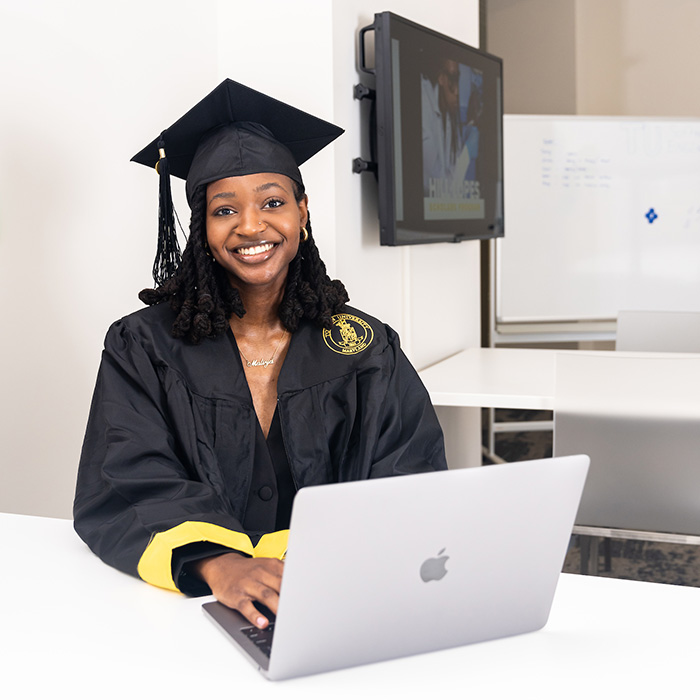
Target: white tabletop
(71,624)
(508,377)
(494,377)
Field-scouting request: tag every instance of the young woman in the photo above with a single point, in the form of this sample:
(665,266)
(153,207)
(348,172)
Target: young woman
(247,377)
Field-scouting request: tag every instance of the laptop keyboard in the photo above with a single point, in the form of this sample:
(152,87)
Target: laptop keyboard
(261,638)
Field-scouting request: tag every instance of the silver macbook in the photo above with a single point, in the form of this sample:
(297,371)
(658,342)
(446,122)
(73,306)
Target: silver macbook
(405,565)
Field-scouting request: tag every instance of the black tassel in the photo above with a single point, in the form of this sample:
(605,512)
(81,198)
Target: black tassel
(168,252)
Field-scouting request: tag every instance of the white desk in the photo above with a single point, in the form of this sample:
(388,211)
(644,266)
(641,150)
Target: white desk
(494,378)
(71,625)
(487,378)
(505,377)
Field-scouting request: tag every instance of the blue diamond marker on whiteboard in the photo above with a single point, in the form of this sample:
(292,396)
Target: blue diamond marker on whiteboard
(651,215)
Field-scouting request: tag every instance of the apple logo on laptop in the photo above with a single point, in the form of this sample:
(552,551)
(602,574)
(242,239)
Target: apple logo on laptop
(433,569)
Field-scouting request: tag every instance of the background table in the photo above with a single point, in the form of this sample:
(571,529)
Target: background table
(488,378)
(494,378)
(71,624)
(506,377)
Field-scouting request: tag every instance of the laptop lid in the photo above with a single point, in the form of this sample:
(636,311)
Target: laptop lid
(386,568)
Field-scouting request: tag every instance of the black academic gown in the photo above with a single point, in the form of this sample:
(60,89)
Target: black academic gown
(169,451)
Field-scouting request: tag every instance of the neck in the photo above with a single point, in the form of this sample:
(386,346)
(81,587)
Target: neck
(261,310)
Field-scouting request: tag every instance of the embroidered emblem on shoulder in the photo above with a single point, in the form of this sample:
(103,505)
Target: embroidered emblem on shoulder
(349,335)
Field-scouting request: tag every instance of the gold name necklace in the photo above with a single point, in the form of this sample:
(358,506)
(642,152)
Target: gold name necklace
(261,362)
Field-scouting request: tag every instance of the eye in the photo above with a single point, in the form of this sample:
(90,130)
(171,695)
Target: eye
(273,203)
(224,211)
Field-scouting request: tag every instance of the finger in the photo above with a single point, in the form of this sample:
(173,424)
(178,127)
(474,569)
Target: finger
(252,614)
(242,597)
(237,582)
(269,597)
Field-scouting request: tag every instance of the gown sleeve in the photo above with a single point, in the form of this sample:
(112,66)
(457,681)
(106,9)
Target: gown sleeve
(409,438)
(138,497)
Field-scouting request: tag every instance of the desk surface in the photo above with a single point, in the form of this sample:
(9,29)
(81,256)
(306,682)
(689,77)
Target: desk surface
(72,624)
(493,377)
(506,377)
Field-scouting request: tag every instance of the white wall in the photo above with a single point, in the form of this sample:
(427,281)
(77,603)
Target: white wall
(85,86)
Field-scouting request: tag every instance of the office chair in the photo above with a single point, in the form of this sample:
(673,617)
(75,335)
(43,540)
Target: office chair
(638,418)
(658,331)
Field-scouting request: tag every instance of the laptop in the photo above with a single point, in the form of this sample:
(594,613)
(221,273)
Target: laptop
(411,564)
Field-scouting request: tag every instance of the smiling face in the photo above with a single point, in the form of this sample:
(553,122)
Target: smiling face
(253,228)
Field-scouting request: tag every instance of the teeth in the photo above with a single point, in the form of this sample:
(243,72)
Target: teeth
(256,249)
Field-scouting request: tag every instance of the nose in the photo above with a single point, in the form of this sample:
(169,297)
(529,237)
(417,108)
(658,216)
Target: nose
(250,223)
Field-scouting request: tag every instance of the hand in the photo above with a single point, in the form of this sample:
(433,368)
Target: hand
(236,581)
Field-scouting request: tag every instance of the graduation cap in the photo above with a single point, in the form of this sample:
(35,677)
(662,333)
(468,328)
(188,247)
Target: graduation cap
(233,131)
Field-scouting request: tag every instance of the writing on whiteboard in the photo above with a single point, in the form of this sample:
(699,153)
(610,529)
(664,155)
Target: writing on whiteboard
(566,164)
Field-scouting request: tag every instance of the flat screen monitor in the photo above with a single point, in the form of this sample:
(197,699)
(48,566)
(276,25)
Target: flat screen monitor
(439,135)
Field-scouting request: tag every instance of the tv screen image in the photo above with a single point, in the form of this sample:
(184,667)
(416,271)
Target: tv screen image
(439,135)
(451,103)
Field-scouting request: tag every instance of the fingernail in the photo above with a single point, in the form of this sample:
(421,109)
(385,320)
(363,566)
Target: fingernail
(261,621)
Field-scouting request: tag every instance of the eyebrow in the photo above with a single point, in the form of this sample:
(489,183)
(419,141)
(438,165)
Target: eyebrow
(260,188)
(222,195)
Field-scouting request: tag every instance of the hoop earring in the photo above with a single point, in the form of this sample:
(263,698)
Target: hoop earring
(304,235)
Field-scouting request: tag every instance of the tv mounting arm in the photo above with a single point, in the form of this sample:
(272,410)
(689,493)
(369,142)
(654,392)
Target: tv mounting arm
(359,165)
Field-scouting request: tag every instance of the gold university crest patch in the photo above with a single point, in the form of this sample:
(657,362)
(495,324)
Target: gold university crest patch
(349,335)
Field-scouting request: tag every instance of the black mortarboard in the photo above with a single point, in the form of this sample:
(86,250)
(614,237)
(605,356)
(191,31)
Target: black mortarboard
(234,130)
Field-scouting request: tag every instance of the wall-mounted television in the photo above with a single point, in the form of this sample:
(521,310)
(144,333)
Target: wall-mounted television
(438,136)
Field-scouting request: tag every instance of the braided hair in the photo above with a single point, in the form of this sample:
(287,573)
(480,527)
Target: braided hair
(203,299)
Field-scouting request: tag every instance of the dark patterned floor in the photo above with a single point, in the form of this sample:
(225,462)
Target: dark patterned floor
(642,561)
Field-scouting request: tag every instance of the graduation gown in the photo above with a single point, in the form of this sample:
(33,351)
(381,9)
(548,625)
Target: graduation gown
(169,449)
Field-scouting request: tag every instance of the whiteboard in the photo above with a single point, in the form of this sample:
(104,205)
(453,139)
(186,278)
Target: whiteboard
(601,214)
